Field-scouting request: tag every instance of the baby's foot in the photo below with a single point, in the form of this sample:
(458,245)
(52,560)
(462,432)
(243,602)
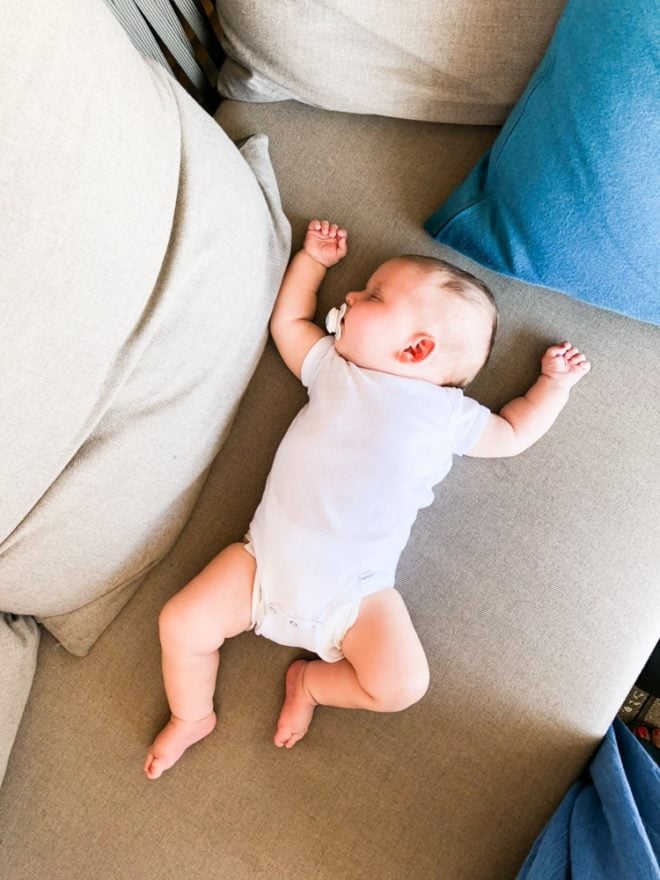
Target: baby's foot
(297,710)
(173,740)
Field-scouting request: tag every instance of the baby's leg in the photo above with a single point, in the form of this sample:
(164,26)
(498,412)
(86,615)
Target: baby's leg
(215,605)
(384,669)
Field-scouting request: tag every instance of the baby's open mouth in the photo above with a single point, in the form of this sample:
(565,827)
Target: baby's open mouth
(334,320)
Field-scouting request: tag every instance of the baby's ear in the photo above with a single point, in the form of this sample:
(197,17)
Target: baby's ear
(419,350)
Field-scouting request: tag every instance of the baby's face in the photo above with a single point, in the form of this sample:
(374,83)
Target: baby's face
(381,320)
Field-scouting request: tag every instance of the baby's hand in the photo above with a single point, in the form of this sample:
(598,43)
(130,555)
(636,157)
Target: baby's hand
(565,364)
(325,242)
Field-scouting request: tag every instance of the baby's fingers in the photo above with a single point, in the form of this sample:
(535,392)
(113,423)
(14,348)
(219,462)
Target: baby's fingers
(321,227)
(326,229)
(576,360)
(571,353)
(581,364)
(558,350)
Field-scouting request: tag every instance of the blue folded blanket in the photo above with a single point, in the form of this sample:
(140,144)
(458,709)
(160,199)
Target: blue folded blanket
(608,825)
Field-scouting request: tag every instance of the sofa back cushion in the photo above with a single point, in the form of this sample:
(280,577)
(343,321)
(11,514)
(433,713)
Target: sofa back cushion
(140,259)
(460,62)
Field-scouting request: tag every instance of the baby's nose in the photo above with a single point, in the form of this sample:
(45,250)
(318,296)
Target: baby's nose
(350,298)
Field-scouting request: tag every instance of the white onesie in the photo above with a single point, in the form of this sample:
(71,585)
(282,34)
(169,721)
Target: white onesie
(355,467)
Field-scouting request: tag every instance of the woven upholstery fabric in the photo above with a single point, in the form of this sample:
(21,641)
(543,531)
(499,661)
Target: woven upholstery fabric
(461,62)
(141,256)
(532,583)
(19,640)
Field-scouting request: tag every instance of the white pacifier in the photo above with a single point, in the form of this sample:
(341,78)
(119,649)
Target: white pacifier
(333,321)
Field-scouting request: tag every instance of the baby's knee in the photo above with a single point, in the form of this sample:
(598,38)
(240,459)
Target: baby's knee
(174,624)
(405,691)
(412,689)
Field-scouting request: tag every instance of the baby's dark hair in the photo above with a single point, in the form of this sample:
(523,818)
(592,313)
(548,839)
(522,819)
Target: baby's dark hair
(474,291)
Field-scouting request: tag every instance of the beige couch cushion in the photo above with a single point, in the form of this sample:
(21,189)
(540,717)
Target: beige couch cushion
(459,62)
(532,582)
(19,641)
(143,255)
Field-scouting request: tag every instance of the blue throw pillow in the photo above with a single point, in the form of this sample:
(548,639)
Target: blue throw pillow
(567,197)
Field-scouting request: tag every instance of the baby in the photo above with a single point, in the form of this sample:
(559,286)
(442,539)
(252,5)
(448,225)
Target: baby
(385,416)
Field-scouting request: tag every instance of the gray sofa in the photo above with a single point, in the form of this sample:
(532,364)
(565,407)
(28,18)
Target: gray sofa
(141,254)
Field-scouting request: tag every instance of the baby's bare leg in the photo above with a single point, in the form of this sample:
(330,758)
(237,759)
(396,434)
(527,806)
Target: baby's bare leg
(215,605)
(384,669)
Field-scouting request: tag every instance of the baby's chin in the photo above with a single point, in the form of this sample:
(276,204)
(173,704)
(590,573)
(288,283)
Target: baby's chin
(343,349)
(350,353)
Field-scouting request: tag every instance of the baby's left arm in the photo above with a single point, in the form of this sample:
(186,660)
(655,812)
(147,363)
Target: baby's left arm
(292,323)
(526,419)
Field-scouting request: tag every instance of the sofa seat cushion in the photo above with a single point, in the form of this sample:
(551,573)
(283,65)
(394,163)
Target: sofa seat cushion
(460,62)
(143,255)
(531,582)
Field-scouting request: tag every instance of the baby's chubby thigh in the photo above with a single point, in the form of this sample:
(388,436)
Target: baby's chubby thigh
(386,653)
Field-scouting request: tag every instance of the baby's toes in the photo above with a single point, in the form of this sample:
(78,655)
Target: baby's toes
(282,735)
(152,767)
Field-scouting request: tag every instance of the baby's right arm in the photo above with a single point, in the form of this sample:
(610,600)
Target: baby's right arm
(292,323)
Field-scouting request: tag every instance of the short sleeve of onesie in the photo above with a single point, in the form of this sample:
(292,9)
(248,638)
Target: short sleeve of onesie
(313,360)
(469,420)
